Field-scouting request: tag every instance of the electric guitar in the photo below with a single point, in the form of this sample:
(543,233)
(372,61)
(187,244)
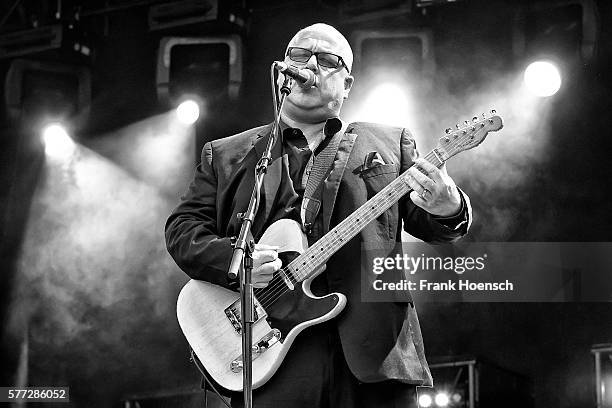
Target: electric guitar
(209,315)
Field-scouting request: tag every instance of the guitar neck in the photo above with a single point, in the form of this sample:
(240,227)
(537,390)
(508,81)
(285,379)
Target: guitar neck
(307,263)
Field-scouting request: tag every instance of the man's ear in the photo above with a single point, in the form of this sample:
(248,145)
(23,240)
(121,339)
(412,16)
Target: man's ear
(348,84)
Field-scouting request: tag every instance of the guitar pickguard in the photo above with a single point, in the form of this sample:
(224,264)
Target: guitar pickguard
(295,307)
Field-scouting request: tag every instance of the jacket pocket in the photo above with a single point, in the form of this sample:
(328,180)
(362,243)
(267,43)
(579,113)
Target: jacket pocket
(375,179)
(379,170)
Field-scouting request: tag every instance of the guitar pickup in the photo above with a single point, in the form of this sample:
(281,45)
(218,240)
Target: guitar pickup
(286,279)
(232,312)
(257,349)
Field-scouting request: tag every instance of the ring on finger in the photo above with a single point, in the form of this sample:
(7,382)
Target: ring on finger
(423,194)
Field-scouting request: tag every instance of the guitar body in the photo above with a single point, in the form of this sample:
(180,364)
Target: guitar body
(208,316)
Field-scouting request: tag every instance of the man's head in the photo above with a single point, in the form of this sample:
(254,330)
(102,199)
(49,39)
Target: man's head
(316,104)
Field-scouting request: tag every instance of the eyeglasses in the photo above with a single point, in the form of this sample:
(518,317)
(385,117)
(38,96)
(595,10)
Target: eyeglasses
(324,59)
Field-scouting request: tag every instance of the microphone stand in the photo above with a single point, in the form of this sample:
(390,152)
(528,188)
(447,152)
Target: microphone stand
(243,255)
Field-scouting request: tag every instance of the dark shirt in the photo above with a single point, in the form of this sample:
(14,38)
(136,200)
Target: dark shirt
(295,146)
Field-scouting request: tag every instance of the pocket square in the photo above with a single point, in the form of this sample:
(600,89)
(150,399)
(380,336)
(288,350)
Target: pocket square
(371,160)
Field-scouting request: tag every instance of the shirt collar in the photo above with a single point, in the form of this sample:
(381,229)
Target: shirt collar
(332,126)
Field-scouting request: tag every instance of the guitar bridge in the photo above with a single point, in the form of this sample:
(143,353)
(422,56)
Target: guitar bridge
(258,349)
(232,312)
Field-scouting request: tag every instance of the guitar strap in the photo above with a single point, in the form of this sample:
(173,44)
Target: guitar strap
(321,165)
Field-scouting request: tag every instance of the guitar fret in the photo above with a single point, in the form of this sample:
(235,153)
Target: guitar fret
(434,158)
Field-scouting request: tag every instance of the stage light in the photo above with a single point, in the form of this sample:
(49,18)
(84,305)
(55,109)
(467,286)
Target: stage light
(566,29)
(37,89)
(188,112)
(404,55)
(441,399)
(209,67)
(542,78)
(58,144)
(425,401)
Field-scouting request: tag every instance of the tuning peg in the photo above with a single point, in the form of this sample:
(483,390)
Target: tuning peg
(458,126)
(466,123)
(493,111)
(484,115)
(448,130)
(475,119)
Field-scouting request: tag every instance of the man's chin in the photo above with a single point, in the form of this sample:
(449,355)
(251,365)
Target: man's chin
(309,113)
(306,99)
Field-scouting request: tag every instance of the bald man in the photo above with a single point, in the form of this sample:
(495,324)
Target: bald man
(372,355)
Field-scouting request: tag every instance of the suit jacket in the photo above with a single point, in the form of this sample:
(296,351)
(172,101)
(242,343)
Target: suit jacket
(380,340)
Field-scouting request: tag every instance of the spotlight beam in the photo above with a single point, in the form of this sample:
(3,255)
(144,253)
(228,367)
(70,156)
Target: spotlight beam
(58,144)
(542,78)
(188,112)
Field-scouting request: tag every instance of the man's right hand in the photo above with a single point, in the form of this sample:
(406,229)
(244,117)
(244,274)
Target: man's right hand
(265,263)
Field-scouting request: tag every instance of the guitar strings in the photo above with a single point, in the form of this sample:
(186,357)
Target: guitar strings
(277,286)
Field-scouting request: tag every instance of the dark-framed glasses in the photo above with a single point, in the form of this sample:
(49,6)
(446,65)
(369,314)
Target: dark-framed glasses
(324,59)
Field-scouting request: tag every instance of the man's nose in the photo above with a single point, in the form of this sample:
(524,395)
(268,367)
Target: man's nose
(312,63)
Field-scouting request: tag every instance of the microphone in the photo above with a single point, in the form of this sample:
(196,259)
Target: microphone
(304,77)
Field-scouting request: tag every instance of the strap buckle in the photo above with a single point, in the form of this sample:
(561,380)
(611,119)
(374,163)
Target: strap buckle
(307,228)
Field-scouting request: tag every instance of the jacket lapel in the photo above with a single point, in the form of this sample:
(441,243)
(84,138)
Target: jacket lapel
(332,183)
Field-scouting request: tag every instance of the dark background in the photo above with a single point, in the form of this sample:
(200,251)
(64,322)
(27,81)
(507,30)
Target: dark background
(88,291)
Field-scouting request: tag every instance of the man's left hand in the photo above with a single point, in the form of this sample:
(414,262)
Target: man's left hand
(432,189)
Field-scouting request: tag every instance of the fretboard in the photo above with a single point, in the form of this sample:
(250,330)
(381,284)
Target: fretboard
(305,264)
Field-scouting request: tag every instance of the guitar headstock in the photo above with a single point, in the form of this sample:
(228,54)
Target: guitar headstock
(468,135)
